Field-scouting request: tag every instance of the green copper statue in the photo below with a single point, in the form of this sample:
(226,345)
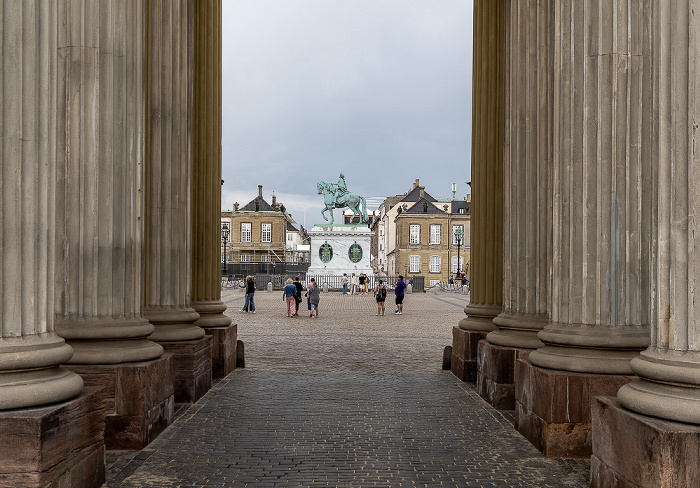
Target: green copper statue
(338,196)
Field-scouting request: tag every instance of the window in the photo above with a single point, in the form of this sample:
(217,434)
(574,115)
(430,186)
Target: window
(455,265)
(414,266)
(245,232)
(434,282)
(454,234)
(266,232)
(434,264)
(435,233)
(290,237)
(245,258)
(264,258)
(414,234)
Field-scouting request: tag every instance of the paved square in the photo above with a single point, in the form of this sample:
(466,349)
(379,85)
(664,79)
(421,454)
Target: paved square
(346,400)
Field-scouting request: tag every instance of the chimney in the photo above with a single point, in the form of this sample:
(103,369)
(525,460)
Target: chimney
(274,200)
(416,183)
(422,190)
(260,191)
(235,207)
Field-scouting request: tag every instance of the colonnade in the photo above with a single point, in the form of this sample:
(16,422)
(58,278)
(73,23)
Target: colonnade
(596,345)
(104,182)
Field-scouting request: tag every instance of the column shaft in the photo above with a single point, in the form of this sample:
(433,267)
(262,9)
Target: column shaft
(601,188)
(527,172)
(669,370)
(99,199)
(169,172)
(206,150)
(487,167)
(30,350)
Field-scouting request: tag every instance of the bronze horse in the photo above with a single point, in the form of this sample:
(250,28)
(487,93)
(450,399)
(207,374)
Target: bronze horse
(348,199)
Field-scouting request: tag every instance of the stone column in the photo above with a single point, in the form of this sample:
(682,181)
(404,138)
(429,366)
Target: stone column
(527,217)
(99,206)
(168,279)
(30,351)
(654,442)
(206,187)
(486,259)
(601,222)
(50,432)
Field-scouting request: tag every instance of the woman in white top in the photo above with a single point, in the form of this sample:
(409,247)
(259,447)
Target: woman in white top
(353,284)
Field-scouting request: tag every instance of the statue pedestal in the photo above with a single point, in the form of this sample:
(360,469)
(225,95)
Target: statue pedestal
(338,249)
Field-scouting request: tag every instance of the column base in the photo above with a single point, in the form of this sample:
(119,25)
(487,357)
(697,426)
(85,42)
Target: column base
(495,379)
(464,353)
(192,368)
(223,352)
(553,407)
(140,401)
(631,450)
(60,445)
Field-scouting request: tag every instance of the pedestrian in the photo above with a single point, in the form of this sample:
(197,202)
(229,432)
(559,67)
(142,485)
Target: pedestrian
(464,278)
(288,295)
(249,292)
(380,295)
(399,288)
(297,295)
(314,298)
(353,284)
(345,283)
(361,279)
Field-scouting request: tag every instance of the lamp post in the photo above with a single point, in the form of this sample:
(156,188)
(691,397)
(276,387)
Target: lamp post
(224,237)
(459,234)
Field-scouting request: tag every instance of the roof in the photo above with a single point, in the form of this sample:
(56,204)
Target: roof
(461,204)
(414,195)
(424,206)
(262,206)
(291,228)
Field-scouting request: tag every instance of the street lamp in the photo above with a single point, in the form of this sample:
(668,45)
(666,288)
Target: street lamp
(459,234)
(224,237)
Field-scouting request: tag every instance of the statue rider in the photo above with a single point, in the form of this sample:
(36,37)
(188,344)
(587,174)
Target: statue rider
(341,188)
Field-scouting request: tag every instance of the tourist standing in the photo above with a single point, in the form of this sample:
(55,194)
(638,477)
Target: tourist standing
(249,292)
(380,295)
(361,279)
(314,298)
(345,283)
(297,296)
(399,290)
(353,284)
(288,294)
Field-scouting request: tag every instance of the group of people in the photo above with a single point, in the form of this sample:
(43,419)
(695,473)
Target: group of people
(380,292)
(357,284)
(292,295)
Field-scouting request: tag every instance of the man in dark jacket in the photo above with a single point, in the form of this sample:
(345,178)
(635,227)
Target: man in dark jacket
(249,292)
(297,296)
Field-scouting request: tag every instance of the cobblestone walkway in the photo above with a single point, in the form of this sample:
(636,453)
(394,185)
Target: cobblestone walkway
(346,400)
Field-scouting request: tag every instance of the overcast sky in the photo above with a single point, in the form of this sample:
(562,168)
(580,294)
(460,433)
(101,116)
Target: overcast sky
(377,89)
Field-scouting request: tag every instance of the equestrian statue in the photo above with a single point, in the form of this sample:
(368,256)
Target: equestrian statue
(338,196)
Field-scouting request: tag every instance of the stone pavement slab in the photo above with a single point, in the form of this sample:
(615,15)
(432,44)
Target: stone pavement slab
(345,400)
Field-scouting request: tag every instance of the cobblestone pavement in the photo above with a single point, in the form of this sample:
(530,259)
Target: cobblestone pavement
(346,400)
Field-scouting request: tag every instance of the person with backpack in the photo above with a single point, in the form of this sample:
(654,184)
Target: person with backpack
(380,295)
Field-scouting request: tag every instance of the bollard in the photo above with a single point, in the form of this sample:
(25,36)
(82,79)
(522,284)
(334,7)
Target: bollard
(269,286)
(447,358)
(325,288)
(409,288)
(240,354)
